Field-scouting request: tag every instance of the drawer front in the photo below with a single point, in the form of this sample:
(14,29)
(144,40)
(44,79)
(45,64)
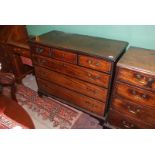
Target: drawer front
(72,97)
(121,121)
(137,78)
(85,88)
(95,63)
(41,50)
(97,78)
(136,95)
(134,110)
(64,56)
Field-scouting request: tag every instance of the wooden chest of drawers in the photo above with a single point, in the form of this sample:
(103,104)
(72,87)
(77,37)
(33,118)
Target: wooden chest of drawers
(133,99)
(76,69)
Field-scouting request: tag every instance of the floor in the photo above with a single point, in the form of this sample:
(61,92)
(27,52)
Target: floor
(30,82)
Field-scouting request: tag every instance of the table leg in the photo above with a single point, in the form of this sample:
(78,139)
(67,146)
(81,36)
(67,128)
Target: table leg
(1,89)
(13,92)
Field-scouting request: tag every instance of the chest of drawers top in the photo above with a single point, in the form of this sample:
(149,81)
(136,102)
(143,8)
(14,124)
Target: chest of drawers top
(83,44)
(139,59)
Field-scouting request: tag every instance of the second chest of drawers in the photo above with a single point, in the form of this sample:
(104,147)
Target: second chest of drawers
(133,100)
(76,69)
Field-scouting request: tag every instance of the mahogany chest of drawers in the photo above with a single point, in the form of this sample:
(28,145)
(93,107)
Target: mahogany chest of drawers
(76,69)
(133,100)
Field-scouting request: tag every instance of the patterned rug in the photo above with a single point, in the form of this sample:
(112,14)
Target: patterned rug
(49,113)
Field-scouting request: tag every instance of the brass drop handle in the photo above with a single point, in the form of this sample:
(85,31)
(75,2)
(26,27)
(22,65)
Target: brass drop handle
(138,76)
(150,82)
(132,111)
(93,77)
(127,125)
(144,96)
(39,50)
(98,64)
(90,61)
(134,92)
(97,77)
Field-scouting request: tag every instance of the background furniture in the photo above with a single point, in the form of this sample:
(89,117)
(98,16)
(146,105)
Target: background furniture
(76,69)
(9,107)
(13,45)
(13,110)
(133,101)
(5,58)
(8,79)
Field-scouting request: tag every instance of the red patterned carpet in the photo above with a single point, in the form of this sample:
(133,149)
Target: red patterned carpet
(49,113)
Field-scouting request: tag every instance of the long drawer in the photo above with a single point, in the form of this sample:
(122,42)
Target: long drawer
(95,77)
(124,122)
(77,99)
(134,110)
(142,80)
(134,94)
(88,89)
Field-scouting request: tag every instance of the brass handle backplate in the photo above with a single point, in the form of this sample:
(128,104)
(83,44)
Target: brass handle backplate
(127,125)
(147,81)
(39,50)
(135,111)
(138,94)
(93,77)
(90,62)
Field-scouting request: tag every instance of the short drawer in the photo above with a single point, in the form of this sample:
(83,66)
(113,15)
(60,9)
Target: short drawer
(64,56)
(134,110)
(72,97)
(85,88)
(41,50)
(95,63)
(118,120)
(145,81)
(97,78)
(136,95)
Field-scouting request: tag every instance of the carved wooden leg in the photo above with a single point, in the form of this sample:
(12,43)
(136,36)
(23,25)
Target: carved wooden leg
(13,92)
(40,94)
